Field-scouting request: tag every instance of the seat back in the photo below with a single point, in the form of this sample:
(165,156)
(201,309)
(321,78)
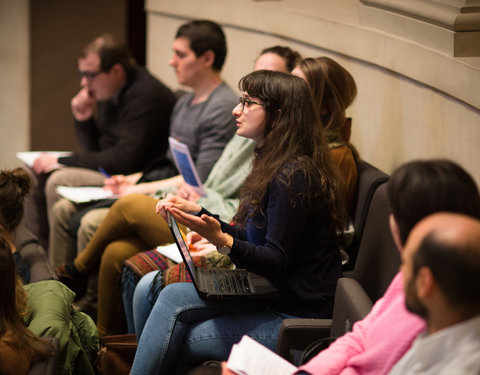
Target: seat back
(378,258)
(351,305)
(369,179)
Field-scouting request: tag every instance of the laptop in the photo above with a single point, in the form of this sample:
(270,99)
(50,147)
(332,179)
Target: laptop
(215,283)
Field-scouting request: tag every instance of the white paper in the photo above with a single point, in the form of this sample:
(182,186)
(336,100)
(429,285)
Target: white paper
(171,251)
(249,357)
(185,165)
(83,194)
(28,157)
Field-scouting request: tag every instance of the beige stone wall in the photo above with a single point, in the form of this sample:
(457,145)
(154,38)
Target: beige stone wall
(415,99)
(15,88)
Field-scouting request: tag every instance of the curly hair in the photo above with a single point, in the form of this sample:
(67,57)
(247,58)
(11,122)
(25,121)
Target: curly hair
(292,140)
(14,186)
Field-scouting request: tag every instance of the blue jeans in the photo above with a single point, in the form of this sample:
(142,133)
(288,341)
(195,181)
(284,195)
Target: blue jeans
(183,330)
(144,299)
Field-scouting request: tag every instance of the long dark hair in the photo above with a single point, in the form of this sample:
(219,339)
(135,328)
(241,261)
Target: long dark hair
(292,140)
(13,307)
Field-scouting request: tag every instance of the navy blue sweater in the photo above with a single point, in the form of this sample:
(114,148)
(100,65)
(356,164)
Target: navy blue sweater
(294,247)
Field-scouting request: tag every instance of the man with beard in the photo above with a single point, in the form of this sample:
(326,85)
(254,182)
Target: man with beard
(441,264)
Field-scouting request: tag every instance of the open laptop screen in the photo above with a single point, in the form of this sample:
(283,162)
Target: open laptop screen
(182,244)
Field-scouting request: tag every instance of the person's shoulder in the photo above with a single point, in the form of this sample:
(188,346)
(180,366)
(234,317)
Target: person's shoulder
(144,84)
(223,95)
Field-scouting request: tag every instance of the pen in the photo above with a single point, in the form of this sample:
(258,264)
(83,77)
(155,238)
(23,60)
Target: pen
(104,172)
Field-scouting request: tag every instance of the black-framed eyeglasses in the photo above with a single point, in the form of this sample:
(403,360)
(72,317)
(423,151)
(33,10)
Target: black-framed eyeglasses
(89,75)
(248,102)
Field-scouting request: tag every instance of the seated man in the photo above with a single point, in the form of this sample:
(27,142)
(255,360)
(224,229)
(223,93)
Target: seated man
(122,116)
(441,265)
(201,119)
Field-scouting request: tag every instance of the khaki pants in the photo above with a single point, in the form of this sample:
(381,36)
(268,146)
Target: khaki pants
(39,204)
(130,226)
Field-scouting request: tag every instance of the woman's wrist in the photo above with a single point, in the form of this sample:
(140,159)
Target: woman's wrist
(226,245)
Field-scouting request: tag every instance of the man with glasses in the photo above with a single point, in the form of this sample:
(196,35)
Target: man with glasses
(122,117)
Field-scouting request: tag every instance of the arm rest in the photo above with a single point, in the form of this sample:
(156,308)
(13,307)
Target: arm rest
(297,334)
(351,304)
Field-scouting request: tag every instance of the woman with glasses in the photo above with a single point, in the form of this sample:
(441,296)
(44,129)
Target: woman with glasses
(285,230)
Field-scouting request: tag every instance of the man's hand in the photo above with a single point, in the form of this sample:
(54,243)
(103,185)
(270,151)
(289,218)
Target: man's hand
(45,164)
(117,183)
(83,105)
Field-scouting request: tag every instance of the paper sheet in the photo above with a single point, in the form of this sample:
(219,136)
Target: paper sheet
(171,251)
(83,194)
(28,157)
(249,357)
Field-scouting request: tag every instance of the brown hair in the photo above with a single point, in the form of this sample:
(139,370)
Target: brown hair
(14,186)
(292,58)
(111,52)
(333,89)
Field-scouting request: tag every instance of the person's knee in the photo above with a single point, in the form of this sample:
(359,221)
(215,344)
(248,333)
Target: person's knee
(62,210)
(89,224)
(134,204)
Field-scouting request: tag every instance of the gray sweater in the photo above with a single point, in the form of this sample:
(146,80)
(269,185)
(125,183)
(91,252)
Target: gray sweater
(205,127)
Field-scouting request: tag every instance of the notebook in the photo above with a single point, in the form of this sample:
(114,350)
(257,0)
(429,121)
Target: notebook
(214,283)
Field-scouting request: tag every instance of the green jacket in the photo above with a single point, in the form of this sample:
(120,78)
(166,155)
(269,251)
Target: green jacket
(51,314)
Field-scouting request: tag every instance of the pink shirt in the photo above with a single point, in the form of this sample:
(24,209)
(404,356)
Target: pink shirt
(376,342)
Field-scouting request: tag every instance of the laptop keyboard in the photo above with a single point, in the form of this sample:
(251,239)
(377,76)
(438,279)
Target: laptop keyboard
(230,281)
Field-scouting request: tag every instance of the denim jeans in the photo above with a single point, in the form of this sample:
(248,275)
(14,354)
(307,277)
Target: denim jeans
(183,330)
(138,298)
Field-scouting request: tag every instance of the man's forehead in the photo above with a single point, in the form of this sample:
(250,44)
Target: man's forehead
(182,44)
(89,62)
(447,228)
(271,61)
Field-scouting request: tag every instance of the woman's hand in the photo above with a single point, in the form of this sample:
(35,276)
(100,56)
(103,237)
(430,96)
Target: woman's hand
(173,201)
(204,225)
(200,245)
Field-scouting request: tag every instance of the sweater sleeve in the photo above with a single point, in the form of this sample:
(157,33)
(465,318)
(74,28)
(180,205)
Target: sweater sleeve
(282,231)
(143,114)
(88,134)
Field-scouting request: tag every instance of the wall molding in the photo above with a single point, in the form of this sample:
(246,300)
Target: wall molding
(365,33)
